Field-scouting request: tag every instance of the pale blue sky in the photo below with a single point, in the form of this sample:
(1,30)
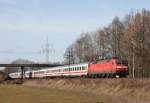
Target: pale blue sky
(24,24)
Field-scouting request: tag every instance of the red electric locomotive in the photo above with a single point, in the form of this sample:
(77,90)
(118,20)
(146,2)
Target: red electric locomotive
(109,68)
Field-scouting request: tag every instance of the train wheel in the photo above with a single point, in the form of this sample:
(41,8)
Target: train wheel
(117,76)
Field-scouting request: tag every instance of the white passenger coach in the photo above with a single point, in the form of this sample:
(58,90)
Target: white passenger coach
(64,71)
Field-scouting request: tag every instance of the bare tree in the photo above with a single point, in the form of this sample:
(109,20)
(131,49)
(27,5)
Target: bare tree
(127,39)
(117,32)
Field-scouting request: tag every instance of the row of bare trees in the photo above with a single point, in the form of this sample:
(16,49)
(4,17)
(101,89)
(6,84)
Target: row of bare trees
(127,39)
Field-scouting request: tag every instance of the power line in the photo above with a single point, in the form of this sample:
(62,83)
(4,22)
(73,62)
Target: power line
(47,50)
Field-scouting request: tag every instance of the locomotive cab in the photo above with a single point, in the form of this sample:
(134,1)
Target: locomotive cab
(121,68)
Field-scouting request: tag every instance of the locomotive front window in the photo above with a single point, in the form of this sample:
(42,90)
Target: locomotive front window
(125,62)
(119,62)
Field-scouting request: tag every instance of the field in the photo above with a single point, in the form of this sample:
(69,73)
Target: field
(24,94)
(77,91)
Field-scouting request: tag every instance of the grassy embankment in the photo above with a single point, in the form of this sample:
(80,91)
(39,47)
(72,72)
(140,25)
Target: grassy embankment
(77,91)
(111,90)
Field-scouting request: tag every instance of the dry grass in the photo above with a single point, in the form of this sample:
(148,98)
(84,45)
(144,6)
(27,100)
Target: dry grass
(25,94)
(77,91)
(111,90)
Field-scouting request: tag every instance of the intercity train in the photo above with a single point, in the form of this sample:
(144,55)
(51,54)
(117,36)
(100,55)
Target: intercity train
(113,67)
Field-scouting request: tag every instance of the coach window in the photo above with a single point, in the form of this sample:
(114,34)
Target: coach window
(73,69)
(67,69)
(80,68)
(70,69)
(77,68)
(84,67)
